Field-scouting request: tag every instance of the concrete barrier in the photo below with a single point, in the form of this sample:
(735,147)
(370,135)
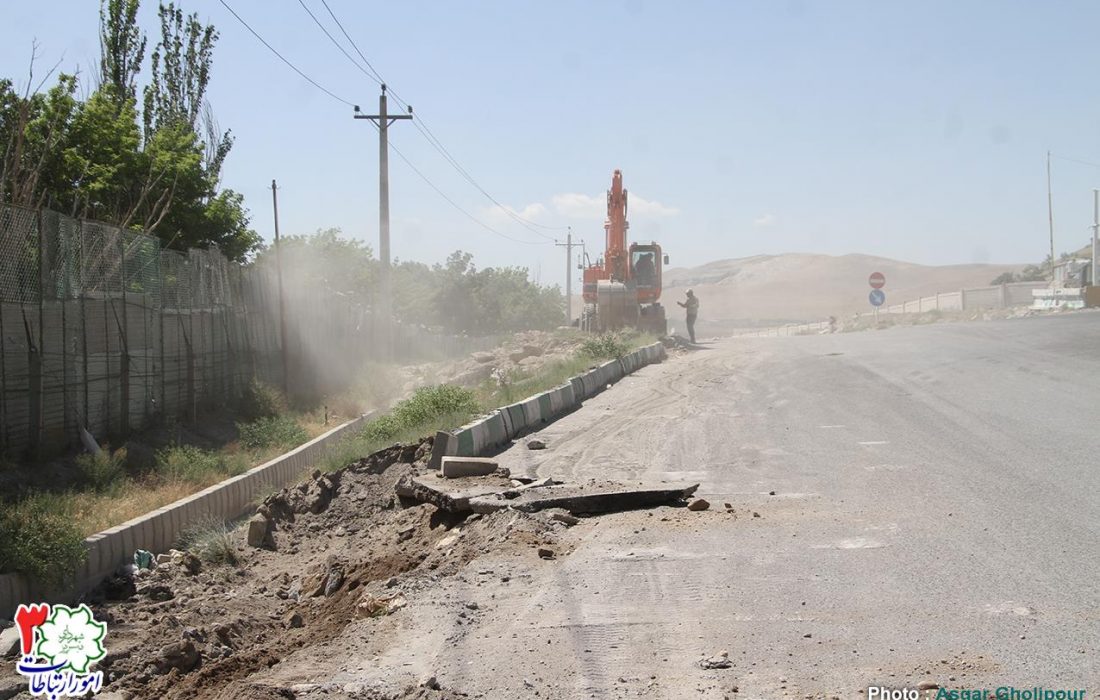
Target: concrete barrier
(158,530)
(501,426)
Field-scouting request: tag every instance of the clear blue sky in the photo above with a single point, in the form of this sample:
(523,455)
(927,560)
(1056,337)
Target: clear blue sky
(912,130)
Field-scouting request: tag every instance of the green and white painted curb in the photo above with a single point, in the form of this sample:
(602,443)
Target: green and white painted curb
(506,424)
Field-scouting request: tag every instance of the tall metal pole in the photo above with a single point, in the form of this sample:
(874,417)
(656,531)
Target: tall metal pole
(384,312)
(1050,218)
(282,302)
(1095,229)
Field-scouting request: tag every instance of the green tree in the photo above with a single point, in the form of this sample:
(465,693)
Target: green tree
(122,49)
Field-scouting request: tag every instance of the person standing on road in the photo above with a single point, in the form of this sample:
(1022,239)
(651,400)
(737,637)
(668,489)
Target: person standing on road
(692,306)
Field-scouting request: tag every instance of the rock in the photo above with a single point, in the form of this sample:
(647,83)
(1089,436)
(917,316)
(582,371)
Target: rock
(430,682)
(699,504)
(458,467)
(807,636)
(566,518)
(373,606)
(928,685)
(179,655)
(720,660)
(155,590)
(536,445)
(483,357)
(471,605)
(9,641)
(186,561)
(771,493)
(545,553)
(335,580)
(293,621)
(319,495)
(258,528)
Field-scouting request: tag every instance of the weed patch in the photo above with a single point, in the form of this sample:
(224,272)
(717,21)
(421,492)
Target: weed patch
(39,538)
(196,466)
(272,431)
(104,470)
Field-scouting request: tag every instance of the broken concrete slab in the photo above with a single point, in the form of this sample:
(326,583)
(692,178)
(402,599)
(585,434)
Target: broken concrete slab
(601,497)
(456,467)
(452,495)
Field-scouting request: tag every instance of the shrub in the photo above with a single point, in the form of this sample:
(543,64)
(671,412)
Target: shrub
(262,401)
(194,465)
(39,538)
(606,346)
(422,410)
(274,431)
(102,471)
(211,541)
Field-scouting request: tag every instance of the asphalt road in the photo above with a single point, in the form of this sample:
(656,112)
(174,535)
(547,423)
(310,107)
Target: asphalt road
(936,516)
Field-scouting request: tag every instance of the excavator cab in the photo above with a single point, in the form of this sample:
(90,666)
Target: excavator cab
(645,271)
(645,278)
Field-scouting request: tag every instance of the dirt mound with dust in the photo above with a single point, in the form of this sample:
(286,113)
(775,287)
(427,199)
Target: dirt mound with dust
(526,353)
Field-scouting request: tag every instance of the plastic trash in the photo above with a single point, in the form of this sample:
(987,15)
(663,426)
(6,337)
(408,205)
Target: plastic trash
(144,559)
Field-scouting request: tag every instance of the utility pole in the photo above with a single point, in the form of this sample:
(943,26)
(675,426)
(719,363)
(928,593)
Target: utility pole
(1050,218)
(384,313)
(1095,230)
(568,245)
(282,304)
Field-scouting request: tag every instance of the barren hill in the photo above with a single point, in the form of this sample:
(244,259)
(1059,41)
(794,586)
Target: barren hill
(766,289)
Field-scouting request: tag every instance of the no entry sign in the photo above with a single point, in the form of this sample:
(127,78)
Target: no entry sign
(877,280)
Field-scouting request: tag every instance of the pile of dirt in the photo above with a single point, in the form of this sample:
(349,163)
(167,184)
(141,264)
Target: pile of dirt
(341,549)
(527,353)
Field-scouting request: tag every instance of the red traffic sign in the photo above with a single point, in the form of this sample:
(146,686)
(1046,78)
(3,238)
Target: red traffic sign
(877,280)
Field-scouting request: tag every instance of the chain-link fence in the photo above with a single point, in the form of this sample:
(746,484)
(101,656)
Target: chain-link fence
(101,329)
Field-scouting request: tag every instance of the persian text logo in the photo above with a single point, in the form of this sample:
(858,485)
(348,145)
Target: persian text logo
(59,644)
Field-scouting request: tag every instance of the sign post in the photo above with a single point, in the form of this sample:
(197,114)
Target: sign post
(877,280)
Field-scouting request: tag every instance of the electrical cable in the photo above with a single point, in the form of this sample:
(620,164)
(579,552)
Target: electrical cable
(422,126)
(283,58)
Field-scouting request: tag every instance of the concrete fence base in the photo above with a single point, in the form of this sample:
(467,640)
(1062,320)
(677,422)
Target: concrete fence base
(159,530)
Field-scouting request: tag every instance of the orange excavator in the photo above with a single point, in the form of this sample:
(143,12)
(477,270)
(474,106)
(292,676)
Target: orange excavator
(623,287)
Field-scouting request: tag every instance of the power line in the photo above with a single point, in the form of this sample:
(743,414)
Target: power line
(422,127)
(336,43)
(351,41)
(377,79)
(1075,160)
(450,201)
(283,58)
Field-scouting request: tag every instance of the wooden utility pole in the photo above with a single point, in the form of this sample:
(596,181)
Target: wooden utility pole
(568,245)
(384,313)
(282,303)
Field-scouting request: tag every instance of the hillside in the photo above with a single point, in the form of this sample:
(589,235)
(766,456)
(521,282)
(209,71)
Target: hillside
(766,289)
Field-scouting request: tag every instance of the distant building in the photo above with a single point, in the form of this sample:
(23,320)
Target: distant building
(1073,272)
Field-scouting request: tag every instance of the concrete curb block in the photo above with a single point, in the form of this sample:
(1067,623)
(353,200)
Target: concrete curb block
(158,530)
(505,424)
